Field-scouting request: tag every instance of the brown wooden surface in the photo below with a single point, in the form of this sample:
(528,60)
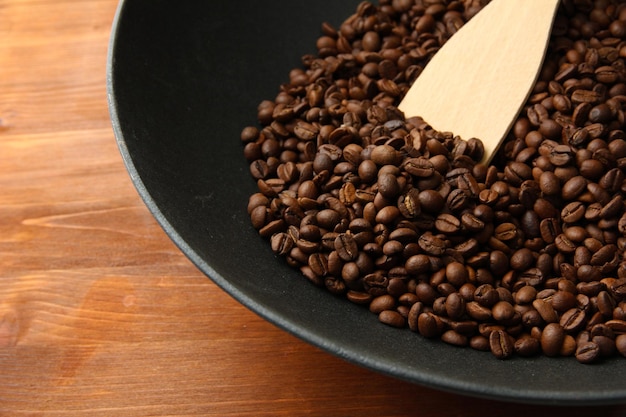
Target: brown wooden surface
(100,315)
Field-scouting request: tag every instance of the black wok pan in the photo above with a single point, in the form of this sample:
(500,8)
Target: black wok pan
(184,77)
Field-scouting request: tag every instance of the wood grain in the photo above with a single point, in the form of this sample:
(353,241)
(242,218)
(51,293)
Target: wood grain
(100,315)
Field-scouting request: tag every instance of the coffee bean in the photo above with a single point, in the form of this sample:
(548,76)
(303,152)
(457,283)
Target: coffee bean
(409,204)
(472,222)
(527,346)
(545,209)
(552,339)
(447,223)
(561,155)
(455,306)
(573,212)
(603,255)
(392,318)
(563,300)
(606,344)
(429,325)
(620,344)
(358,297)
(281,243)
(573,320)
(506,231)
(416,308)
(574,187)
(618,289)
(478,312)
(431,244)
(388,185)
(382,303)
(486,295)
(457,274)
(419,167)
(545,310)
(503,311)
(455,338)
(501,344)
(479,342)
(385,155)
(588,352)
(612,180)
(387,214)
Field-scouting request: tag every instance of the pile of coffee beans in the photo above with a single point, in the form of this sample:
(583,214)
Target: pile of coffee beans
(522,257)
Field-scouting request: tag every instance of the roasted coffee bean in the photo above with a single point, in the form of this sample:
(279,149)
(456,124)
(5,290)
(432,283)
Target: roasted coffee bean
(479,342)
(431,201)
(545,310)
(477,311)
(501,344)
(552,338)
(392,318)
(620,344)
(612,180)
(573,212)
(588,352)
(561,155)
(618,326)
(618,289)
(458,199)
(506,231)
(525,295)
(456,273)
(573,320)
(409,204)
(545,209)
(603,255)
(564,244)
(429,325)
(282,243)
(486,295)
(387,214)
(563,300)
(455,306)
(503,311)
(467,182)
(605,303)
(419,167)
(447,223)
(318,264)
(522,259)
(569,346)
(432,244)
(455,338)
(359,297)
(385,155)
(549,229)
(574,187)
(382,303)
(606,345)
(613,208)
(471,222)
(388,185)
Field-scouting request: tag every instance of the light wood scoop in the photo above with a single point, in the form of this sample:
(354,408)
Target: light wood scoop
(477,83)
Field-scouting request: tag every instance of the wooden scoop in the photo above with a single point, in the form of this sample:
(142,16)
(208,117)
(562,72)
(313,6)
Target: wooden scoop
(477,83)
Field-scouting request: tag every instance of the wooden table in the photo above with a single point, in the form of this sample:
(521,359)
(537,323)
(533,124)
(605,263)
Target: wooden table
(100,315)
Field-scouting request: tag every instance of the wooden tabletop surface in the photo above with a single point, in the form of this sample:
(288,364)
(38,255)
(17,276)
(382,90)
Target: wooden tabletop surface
(100,314)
